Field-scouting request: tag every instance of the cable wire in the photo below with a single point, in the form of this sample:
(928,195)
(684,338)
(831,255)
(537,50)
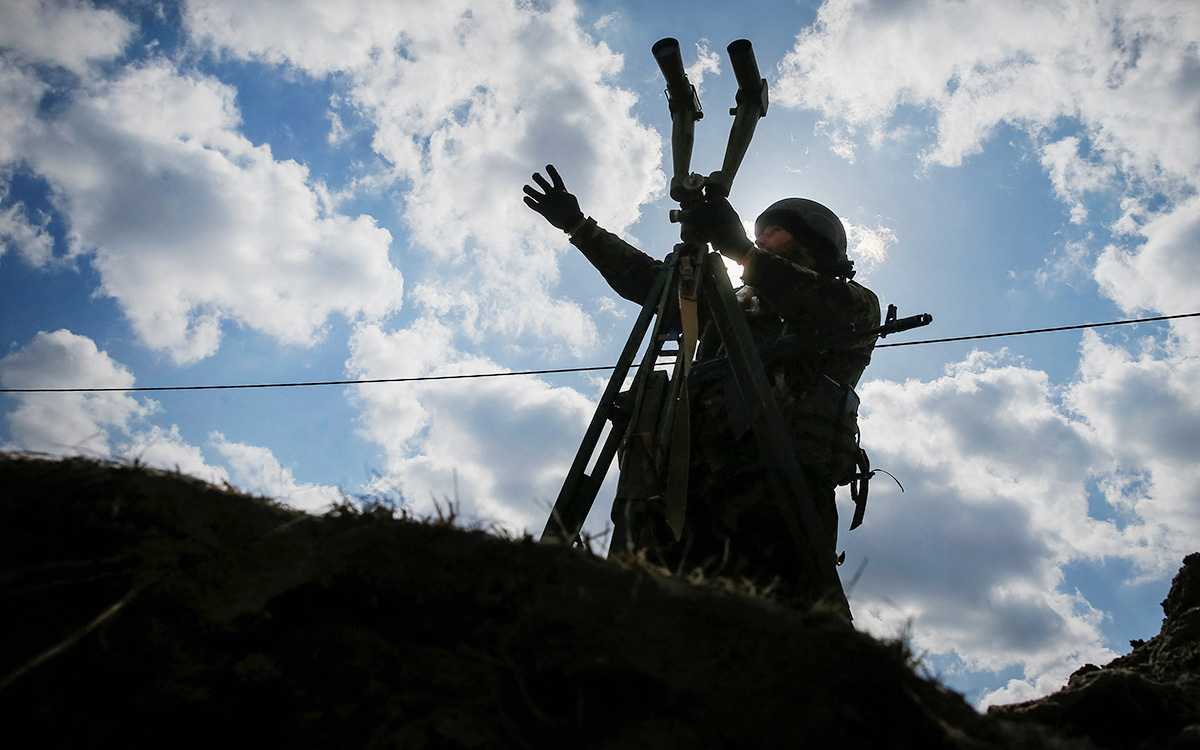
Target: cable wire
(467,376)
(416,379)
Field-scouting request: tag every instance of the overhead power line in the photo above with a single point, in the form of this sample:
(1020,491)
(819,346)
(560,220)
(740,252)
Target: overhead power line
(469,376)
(416,379)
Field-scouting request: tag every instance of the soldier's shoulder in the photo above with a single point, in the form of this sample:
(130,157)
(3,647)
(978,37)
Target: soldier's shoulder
(865,302)
(861,292)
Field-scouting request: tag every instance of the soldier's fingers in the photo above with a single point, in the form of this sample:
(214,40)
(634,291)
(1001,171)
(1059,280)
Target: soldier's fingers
(558,181)
(533,194)
(541,181)
(532,204)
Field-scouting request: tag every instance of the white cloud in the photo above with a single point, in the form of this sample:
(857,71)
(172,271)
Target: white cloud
(868,247)
(30,239)
(256,469)
(165,448)
(1164,272)
(318,36)
(68,33)
(468,100)
(1003,486)
(1145,410)
(116,425)
(68,423)
(20,92)
(190,224)
(337,131)
(1126,77)
(706,62)
(1073,175)
(1125,71)
(996,503)
(495,442)
(473,135)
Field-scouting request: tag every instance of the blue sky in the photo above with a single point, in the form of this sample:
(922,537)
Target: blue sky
(219,192)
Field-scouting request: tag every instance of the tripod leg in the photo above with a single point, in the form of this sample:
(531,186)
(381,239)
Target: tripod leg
(579,489)
(787,483)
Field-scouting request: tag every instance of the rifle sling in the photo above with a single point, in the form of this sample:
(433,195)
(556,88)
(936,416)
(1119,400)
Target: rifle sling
(681,429)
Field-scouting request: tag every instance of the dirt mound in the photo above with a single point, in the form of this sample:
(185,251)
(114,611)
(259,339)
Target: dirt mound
(1149,698)
(149,608)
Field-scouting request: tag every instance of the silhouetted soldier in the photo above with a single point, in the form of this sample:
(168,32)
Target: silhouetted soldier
(798,281)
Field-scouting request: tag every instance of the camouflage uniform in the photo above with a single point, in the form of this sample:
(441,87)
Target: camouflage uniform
(732,525)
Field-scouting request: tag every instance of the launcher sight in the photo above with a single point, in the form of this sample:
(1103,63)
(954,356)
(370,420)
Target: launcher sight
(689,189)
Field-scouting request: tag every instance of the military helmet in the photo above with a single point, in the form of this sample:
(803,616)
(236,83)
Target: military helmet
(815,227)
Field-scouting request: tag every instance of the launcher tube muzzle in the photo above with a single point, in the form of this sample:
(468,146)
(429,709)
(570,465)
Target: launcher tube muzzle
(685,111)
(745,67)
(670,62)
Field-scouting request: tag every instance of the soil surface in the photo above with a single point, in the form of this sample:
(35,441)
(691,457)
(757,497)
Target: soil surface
(148,608)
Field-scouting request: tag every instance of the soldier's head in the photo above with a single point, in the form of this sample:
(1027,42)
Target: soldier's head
(806,233)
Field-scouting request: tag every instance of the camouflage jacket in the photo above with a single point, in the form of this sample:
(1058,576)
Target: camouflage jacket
(780,298)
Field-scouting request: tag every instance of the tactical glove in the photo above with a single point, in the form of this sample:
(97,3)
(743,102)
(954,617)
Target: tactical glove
(558,206)
(719,224)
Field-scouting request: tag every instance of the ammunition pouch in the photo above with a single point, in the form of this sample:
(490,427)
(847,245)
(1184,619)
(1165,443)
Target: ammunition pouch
(823,423)
(826,436)
(821,420)
(640,451)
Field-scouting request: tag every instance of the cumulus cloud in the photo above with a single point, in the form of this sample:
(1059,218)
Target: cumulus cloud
(68,423)
(68,33)
(318,36)
(118,425)
(467,100)
(1009,480)
(1073,175)
(1145,410)
(469,147)
(496,443)
(1126,72)
(24,234)
(190,224)
(1160,274)
(166,448)
(99,425)
(706,62)
(997,477)
(866,246)
(255,469)
(1124,77)
(20,92)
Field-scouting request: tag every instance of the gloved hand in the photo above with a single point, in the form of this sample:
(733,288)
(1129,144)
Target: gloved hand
(719,224)
(558,206)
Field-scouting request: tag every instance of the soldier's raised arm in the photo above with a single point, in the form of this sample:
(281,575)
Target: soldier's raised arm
(629,271)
